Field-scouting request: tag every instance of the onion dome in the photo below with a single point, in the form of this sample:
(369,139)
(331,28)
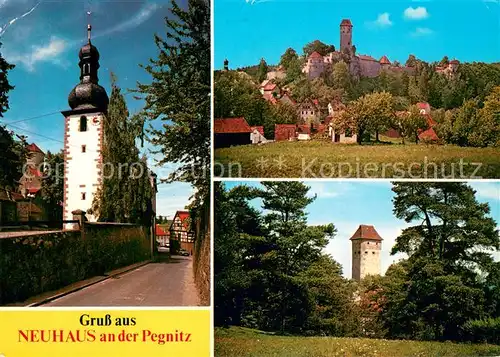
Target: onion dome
(88,94)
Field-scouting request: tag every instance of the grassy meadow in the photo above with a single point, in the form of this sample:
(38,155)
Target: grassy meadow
(321,159)
(242,342)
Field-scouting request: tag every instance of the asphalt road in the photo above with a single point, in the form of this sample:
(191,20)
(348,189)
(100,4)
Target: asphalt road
(155,284)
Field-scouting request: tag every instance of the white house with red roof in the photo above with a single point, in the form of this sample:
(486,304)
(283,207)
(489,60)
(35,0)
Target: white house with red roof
(180,230)
(450,69)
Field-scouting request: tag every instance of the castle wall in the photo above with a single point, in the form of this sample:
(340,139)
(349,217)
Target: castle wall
(369,68)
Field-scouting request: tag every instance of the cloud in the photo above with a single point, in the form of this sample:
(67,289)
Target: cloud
(417,13)
(11,22)
(138,19)
(489,191)
(326,190)
(383,20)
(422,31)
(253,2)
(48,53)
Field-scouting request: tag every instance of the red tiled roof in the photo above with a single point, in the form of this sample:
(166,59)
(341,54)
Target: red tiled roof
(346,22)
(454,62)
(270,97)
(260,129)
(269,87)
(289,97)
(231,125)
(428,134)
(33,148)
(33,190)
(385,60)
(315,101)
(366,232)
(34,172)
(431,122)
(284,131)
(367,58)
(160,231)
(315,55)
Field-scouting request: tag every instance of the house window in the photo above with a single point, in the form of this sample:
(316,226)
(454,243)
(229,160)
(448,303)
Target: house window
(84,148)
(83,196)
(366,252)
(83,123)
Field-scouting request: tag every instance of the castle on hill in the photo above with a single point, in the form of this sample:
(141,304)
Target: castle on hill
(359,65)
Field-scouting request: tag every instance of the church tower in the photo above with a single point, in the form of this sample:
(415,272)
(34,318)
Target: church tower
(346,36)
(83,136)
(366,247)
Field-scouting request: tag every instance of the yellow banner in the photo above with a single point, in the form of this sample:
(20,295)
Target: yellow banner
(107,333)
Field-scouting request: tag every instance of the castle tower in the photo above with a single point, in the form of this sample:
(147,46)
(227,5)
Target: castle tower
(346,36)
(366,247)
(83,136)
(226,65)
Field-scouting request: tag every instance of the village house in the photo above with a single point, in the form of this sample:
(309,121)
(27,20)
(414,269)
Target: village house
(257,135)
(180,230)
(231,132)
(31,181)
(450,69)
(162,235)
(309,111)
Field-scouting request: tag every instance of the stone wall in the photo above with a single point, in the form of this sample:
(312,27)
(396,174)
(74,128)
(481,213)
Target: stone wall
(201,258)
(31,265)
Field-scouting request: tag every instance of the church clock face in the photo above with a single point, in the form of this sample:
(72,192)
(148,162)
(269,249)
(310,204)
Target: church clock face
(95,120)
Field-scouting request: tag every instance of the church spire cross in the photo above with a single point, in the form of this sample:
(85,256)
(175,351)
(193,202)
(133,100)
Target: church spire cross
(89,26)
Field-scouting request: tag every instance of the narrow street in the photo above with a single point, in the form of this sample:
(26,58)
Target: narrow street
(156,284)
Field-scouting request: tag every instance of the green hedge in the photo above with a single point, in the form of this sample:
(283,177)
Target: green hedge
(36,264)
(487,330)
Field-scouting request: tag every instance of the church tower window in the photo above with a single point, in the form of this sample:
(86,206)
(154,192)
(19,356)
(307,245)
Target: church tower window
(83,123)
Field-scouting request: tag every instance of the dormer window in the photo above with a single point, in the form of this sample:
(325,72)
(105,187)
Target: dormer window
(83,123)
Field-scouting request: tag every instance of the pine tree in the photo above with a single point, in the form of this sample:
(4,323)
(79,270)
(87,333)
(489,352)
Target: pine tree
(179,95)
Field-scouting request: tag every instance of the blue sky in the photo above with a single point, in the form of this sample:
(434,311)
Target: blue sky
(347,204)
(468,30)
(44,46)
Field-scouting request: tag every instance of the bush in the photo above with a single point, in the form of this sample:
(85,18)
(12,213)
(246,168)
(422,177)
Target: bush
(486,330)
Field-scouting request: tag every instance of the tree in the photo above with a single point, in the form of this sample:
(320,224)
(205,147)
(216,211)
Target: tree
(5,86)
(341,78)
(444,61)
(410,122)
(179,95)
(53,183)
(263,69)
(13,151)
(318,46)
(448,248)
(235,95)
(452,224)
(411,61)
(14,155)
(126,192)
(288,58)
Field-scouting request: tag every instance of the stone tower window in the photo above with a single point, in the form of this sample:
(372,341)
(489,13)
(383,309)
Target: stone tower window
(83,196)
(84,148)
(366,252)
(83,123)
